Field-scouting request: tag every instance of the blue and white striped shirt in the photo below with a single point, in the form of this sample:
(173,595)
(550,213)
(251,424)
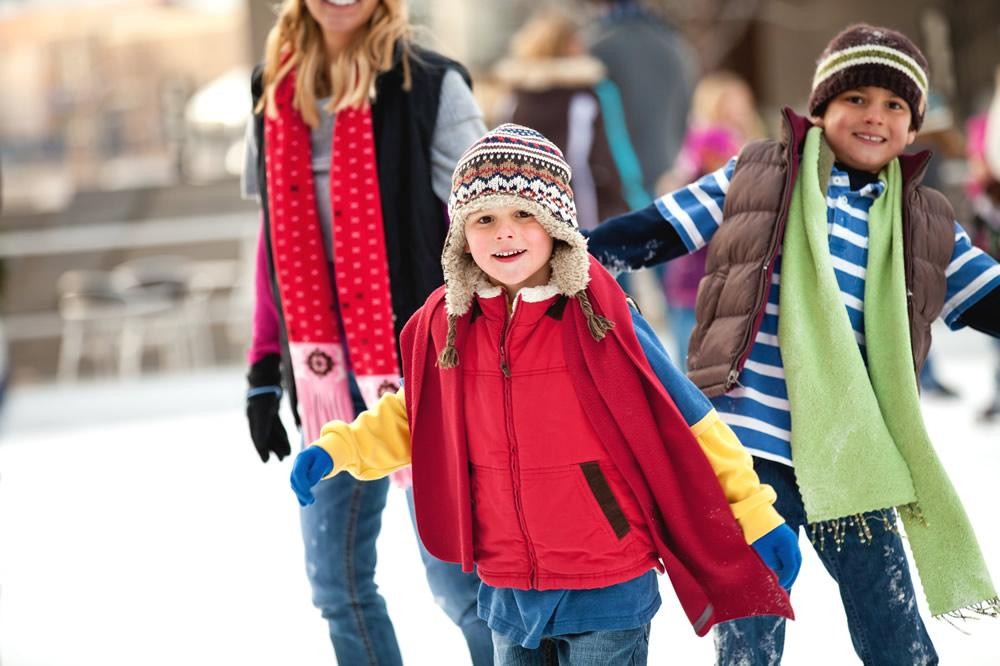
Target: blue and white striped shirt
(757,409)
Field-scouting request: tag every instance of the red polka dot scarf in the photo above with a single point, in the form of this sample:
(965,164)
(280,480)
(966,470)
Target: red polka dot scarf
(319,348)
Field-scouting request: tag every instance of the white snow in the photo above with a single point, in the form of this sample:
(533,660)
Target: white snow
(138,527)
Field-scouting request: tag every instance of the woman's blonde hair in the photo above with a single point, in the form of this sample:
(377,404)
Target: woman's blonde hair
(296,42)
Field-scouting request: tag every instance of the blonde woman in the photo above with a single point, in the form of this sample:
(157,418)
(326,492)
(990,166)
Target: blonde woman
(355,135)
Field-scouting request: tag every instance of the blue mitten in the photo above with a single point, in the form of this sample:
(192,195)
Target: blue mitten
(779,549)
(311,465)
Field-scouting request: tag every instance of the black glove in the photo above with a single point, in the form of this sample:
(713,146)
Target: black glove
(263,400)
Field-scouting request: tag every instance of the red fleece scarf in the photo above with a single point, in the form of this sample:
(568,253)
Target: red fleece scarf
(319,353)
(716,575)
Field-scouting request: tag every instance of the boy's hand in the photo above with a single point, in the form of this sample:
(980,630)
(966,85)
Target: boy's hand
(311,465)
(779,549)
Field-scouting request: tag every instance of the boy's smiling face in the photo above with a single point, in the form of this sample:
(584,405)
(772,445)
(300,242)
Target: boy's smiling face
(867,127)
(511,247)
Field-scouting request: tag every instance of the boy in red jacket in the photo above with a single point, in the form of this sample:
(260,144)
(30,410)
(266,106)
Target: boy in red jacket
(554,446)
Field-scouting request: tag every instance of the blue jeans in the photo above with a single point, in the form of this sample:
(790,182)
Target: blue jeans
(456,593)
(339,531)
(875,587)
(620,647)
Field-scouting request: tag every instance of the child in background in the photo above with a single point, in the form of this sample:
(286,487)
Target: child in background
(815,369)
(553,443)
(722,101)
(723,118)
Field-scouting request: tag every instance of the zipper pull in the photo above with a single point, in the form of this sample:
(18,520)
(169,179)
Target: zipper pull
(505,369)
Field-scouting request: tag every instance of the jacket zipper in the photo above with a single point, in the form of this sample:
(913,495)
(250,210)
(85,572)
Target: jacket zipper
(515,470)
(768,268)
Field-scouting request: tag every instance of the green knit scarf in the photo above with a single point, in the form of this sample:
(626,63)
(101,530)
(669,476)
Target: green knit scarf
(858,438)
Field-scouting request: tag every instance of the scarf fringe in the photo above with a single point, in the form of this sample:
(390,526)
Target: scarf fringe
(320,404)
(913,512)
(838,529)
(985,608)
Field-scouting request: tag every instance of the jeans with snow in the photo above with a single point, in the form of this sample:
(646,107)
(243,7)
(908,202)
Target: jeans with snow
(619,647)
(339,532)
(875,587)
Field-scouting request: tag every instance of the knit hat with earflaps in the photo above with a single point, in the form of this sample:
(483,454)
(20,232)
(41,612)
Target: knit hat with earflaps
(514,166)
(867,55)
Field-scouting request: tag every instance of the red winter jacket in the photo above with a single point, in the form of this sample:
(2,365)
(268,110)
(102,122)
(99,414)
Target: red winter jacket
(551,510)
(675,497)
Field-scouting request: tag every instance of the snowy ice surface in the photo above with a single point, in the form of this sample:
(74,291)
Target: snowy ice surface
(138,527)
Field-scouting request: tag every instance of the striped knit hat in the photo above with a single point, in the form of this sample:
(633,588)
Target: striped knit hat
(514,166)
(865,55)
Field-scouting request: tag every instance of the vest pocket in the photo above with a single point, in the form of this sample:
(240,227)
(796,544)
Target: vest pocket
(606,500)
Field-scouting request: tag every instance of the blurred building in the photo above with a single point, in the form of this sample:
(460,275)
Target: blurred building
(121,126)
(117,113)
(774,44)
(99,93)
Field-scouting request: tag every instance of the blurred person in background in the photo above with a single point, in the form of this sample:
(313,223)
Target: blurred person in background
(552,83)
(723,118)
(4,359)
(354,137)
(655,69)
(4,365)
(983,189)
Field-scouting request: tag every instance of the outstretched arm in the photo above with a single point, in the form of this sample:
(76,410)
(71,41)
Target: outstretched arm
(634,240)
(374,445)
(984,315)
(750,500)
(973,279)
(677,223)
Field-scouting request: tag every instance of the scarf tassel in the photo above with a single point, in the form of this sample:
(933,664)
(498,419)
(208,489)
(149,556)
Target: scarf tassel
(987,608)
(317,407)
(838,529)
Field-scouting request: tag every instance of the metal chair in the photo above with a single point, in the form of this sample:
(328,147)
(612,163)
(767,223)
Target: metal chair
(155,290)
(92,311)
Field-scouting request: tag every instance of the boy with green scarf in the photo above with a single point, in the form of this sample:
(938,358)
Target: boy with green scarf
(825,395)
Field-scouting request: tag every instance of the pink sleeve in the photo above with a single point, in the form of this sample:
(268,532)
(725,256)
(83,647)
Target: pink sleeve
(264,338)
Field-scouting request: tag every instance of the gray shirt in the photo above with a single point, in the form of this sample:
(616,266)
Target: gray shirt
(459,122)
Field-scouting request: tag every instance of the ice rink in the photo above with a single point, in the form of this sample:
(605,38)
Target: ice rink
(138,527)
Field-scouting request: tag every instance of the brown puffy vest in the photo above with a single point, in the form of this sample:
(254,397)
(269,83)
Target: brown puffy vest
(740,262)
